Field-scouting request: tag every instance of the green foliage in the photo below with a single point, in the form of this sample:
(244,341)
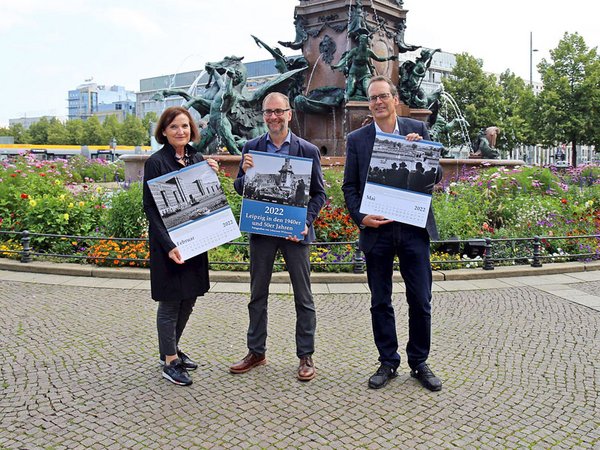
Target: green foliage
(75,132)
(39,197)
(57,132)
(20,134)
(497,202)
(98,170)
(234,199)
(477,94)
(125,216)
(132,131)
(333,177)
(110,129)
(568,107)
(92,132)
(39,131)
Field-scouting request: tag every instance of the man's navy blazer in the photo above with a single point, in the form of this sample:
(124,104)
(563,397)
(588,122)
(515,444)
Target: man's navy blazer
(359,147)
(304,149)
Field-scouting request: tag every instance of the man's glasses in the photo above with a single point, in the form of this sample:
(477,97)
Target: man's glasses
(382,97)
(278,112)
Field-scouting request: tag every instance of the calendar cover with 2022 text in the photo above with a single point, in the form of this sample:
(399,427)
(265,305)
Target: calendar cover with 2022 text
(276,193)
(401,178)
(194,209)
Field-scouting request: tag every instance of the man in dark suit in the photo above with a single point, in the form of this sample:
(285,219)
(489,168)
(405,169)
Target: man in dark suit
(277,115)
(382,240)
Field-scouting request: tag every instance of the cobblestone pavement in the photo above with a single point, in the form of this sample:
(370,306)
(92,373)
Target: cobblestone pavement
(521,368)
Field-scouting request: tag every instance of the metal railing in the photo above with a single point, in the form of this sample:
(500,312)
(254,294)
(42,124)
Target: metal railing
(480,252)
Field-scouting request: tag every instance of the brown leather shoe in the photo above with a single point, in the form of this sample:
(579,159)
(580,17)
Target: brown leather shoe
(250,361)
(306,369)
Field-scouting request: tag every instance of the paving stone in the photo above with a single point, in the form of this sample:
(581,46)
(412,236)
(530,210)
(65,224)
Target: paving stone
(519,367)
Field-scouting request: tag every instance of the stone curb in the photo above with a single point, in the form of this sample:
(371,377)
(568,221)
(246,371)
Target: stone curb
(83,270)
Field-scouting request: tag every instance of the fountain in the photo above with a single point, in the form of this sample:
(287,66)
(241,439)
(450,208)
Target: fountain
(344,43)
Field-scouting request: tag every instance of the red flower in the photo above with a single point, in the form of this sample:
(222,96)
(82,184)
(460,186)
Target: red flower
(563,200)
(13,175)
(24,196)
(42,174)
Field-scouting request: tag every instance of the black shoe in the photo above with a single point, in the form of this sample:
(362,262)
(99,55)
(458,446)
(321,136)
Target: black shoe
(384,374)
(424,374)
(186,361)
(176,373)
(188,364)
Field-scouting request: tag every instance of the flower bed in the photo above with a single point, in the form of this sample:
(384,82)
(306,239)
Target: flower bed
(59,197)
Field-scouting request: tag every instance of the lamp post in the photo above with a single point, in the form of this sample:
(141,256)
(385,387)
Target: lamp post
(531,50)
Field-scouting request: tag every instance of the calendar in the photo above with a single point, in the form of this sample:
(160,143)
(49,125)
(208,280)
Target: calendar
(276,193)
(401,177)
(194,209)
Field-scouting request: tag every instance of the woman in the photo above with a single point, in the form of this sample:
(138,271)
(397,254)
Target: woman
(175,283)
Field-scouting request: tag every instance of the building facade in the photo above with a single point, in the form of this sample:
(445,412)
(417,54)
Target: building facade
(91,99)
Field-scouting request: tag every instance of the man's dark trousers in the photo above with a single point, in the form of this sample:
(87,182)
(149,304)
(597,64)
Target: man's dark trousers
(296,255)
(411,245)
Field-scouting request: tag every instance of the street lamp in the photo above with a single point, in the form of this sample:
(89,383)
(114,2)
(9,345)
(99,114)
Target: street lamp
(531,50)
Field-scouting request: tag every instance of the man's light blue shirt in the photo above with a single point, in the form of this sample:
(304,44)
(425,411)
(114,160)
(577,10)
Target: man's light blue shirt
(285,147)
(379,130)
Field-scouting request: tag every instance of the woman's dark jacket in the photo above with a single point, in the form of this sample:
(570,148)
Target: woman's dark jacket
(168,280)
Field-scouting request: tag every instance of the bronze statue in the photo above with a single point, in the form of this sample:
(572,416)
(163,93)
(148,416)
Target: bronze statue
(411,76)
(403,47)
(234,114)
(301,34)
(356,65)
(320,101)
(482,147)
(284,64)
(358,23)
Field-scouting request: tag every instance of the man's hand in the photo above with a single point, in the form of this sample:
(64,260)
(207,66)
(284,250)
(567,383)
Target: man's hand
(176,256)
(413,137)
(295,239)
(373,221)
(247,162)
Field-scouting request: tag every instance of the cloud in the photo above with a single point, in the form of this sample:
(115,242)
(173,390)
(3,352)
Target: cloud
(134,20)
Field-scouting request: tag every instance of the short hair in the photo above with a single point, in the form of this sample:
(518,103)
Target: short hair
(169,116)
(283,97)
(393,89)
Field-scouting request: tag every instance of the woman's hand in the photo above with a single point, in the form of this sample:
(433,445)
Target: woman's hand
(214,165)
(176,256)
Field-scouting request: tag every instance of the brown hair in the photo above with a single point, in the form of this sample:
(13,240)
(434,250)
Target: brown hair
(169,116)
(393,89)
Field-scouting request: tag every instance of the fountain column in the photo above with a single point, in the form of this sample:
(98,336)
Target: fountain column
(325,24)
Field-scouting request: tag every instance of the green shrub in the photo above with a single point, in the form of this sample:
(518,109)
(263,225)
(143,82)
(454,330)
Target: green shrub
(125,215)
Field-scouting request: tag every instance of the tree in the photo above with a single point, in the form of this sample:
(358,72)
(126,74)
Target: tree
(92,131)
(110,129)
(568,106)
(39,131)
(149,121)
(515,125)
(21,135)
(478,95)
(132,131)
(57,133)
(75,132)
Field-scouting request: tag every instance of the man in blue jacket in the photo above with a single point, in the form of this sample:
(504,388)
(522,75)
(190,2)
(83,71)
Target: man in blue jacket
(277,114)
(382,240)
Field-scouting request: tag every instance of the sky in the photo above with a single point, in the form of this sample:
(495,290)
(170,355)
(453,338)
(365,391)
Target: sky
(48,47)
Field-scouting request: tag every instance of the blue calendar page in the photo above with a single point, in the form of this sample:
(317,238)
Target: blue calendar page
(401,178)
(276,193)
